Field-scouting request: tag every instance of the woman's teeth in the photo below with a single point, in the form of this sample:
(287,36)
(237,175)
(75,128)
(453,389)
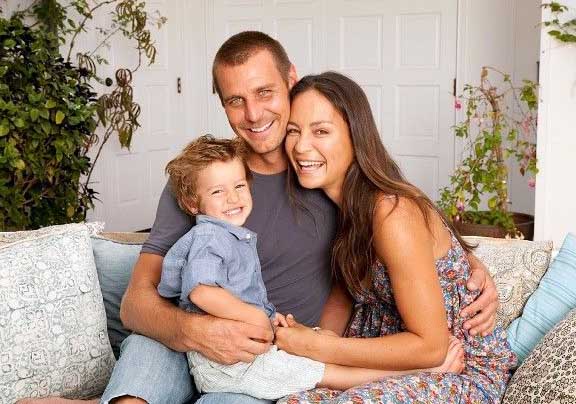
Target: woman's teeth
(310,165)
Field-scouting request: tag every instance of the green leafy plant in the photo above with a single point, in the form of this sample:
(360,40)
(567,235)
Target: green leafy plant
(562,31)
(500,124)
(47,118)
(51,117)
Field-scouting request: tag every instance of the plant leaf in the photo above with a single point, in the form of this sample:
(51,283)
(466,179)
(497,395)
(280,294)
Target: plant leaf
(4,129)
(34,114)
(9,43)
(59,117)
(46,127)
(19,164)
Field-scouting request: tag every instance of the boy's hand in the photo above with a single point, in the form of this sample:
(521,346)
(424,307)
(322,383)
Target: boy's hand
(280,321)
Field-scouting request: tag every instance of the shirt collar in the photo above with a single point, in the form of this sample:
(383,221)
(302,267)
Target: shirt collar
(240,233)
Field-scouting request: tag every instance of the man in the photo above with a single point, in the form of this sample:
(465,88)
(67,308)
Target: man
(252,75)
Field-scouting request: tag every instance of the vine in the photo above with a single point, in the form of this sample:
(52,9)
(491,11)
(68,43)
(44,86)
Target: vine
(563,31)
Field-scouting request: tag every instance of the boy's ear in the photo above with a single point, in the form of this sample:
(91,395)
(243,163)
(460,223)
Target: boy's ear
(192,206)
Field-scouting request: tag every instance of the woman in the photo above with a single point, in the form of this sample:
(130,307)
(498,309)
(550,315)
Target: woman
(404,266)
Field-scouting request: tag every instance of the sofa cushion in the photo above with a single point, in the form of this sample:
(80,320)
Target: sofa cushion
(554,297)
(516,267)
(53,338)
(115,255)
(548,375)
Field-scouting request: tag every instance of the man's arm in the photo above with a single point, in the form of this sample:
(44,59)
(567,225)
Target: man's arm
(482,310)
(145,312)
(337,310)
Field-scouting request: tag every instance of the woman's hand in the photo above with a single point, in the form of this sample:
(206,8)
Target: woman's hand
(296,339)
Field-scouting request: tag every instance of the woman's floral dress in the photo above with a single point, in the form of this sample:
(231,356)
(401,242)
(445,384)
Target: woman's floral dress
(488,359)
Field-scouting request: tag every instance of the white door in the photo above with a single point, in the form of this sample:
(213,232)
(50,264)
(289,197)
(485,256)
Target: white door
(404,56)
(130,182)
(402,53)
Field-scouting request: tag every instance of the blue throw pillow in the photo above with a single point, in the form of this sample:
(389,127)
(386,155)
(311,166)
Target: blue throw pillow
(550,302)
(114,263)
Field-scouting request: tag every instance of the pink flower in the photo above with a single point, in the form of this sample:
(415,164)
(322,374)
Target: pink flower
(460,206)
(457,103)
(526,124)
(531,182)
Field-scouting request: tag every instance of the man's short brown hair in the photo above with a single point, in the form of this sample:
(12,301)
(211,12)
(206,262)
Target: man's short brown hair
(240,47)
(197,155)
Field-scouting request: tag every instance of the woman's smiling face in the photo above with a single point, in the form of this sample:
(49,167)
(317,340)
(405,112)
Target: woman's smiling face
(318,143)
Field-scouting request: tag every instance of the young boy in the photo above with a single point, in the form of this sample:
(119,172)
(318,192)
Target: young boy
(214,269)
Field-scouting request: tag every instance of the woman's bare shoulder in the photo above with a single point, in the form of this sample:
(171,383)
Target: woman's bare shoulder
(392,209)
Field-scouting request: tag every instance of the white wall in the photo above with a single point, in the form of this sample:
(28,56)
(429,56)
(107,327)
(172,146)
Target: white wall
(509,41)
(555,190)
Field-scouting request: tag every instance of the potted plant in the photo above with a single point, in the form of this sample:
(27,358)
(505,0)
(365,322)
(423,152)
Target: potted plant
(53,125)
(499,127)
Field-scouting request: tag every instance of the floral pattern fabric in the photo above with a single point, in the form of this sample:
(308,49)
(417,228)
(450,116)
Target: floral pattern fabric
(488,359)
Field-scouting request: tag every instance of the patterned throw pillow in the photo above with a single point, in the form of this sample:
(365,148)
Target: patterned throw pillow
(53,338)
(516,267)
(548,375)
(94,228)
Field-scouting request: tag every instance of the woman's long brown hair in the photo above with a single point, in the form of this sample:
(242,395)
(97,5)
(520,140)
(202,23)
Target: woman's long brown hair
(373,173)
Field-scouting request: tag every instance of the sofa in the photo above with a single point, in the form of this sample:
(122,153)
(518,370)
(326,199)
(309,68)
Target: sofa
(61,286)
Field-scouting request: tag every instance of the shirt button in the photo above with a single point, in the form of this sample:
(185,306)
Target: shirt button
(248,236)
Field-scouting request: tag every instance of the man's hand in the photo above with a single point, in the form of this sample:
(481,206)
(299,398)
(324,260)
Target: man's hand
(482,310)
(228,341)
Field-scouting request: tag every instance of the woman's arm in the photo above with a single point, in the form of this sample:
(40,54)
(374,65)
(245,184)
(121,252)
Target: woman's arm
(337,310)
(221,303)
(404,244)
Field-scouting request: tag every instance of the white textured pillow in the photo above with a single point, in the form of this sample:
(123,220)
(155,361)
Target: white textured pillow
(53,338)
(516,267)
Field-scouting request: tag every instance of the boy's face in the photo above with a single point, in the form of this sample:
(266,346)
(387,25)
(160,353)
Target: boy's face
(223,192)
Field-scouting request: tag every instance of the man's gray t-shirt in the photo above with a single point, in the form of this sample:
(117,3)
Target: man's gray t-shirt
(293,244)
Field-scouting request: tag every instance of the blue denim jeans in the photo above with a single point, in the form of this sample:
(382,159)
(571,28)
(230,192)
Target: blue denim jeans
(151,371)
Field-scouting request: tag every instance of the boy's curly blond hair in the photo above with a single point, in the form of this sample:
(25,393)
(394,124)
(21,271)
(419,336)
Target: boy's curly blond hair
(197,155)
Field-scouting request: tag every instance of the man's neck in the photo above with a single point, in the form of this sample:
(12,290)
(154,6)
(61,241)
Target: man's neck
(269,163)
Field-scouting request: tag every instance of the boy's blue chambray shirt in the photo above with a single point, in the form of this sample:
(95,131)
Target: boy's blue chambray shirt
(215,253)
